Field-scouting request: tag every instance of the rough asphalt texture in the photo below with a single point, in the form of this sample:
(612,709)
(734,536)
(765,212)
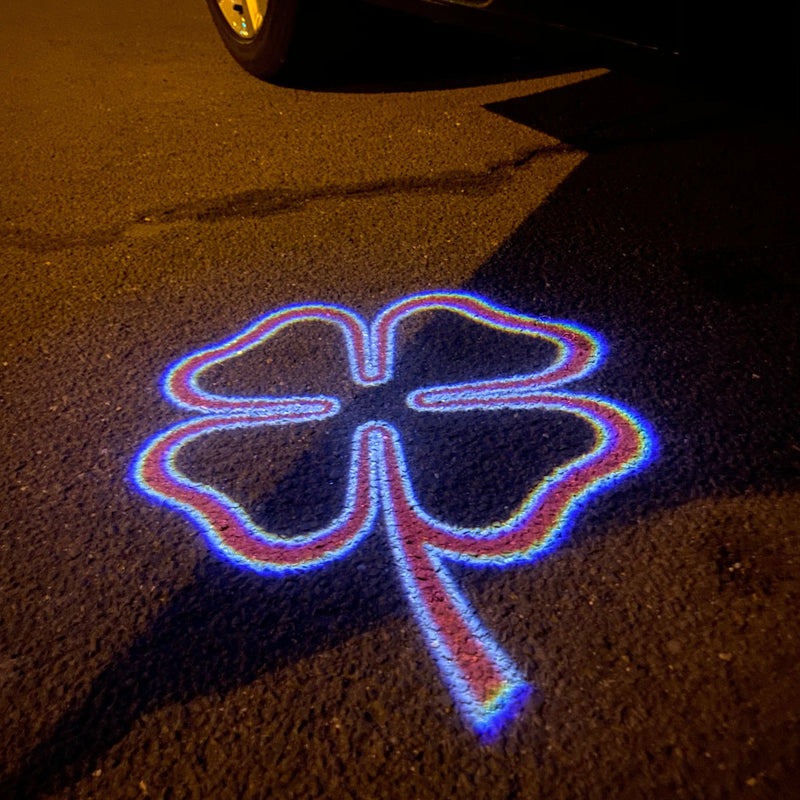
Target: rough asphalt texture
(156,199)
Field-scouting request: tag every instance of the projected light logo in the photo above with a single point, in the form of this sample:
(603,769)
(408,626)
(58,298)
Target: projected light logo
(487,686)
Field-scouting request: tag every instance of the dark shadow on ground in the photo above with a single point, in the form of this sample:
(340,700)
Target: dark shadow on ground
(662,241)
(221,632)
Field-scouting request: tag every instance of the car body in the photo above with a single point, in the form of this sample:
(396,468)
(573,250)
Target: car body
(745,45)
(259,33)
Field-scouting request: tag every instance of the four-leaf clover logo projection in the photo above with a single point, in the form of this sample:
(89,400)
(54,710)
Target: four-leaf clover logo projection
(484,681)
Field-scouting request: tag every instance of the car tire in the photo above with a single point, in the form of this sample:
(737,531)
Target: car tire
(262,46)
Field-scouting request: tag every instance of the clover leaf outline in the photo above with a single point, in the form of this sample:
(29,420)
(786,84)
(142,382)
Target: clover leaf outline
(487,685)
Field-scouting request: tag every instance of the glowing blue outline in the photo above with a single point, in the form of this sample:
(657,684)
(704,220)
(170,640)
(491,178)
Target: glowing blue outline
(259,534)
(500,529)
(315,312)
(524,328)
(366,345)
(370,339)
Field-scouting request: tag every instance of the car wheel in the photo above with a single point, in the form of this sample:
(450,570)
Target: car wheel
(257,33)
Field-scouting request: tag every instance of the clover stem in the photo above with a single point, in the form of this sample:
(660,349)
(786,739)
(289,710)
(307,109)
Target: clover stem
(483,680)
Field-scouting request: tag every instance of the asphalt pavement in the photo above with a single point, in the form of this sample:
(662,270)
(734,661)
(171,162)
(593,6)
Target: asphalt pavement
(604,271)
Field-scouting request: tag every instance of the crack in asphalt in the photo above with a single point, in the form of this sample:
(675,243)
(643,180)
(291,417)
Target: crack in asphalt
(266,202)
(263,202)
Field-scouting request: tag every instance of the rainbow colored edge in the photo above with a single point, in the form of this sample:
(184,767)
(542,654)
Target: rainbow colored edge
(485,683)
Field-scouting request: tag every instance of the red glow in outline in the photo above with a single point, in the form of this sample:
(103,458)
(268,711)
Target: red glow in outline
(482,678)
